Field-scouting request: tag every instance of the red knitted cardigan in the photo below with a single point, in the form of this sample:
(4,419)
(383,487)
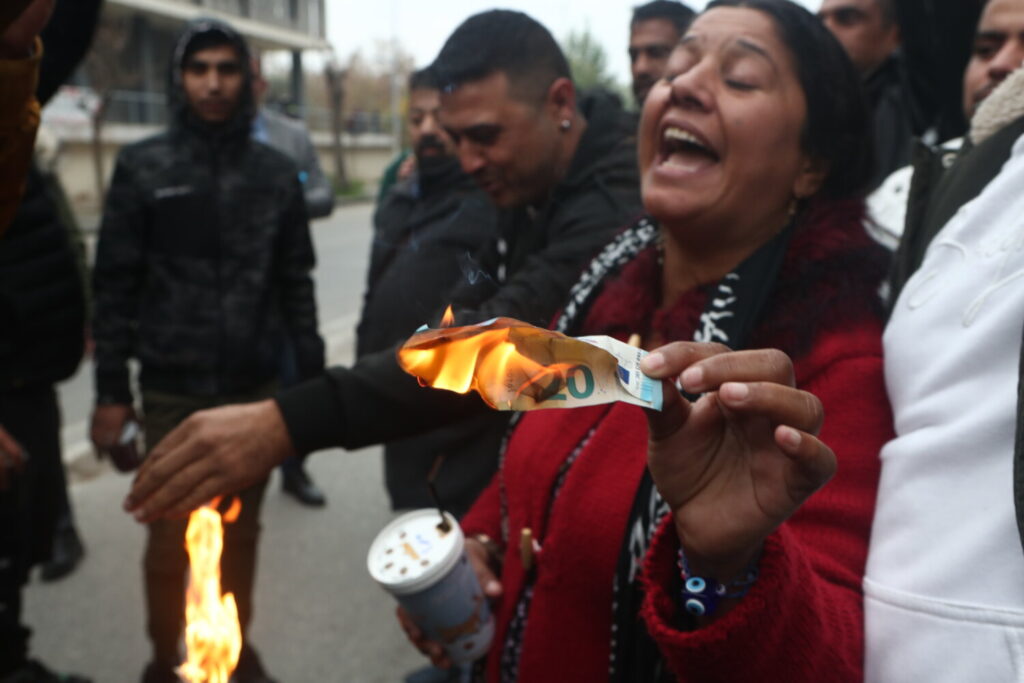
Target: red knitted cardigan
(803,619)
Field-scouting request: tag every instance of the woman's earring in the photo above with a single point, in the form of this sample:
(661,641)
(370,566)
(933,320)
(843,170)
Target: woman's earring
(794,205)
(566,124)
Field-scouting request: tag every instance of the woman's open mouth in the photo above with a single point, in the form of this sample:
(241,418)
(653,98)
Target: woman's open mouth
(684,150)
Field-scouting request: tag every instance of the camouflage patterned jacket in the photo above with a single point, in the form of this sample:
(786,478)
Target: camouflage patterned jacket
(203,262)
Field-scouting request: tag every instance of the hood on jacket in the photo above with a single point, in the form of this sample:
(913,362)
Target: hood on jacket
(200,34)
(608,126)
(1003,106)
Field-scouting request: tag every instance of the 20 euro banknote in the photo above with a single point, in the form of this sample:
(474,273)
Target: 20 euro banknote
(517,366)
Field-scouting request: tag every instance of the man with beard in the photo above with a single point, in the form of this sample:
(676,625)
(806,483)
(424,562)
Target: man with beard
(654,31)
(563,176)
(203,263)
(426,232)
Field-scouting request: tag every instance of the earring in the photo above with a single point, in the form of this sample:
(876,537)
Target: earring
(566,124)
(794,205)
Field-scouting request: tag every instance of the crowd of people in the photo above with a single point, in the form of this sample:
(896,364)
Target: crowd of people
(812,224)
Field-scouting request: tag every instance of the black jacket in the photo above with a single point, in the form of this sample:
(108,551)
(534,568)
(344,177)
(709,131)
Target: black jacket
(942,183)
(936,40)
(891,110)
(427,231)
(526,274)
(918,92)
(204,257)
(42,297)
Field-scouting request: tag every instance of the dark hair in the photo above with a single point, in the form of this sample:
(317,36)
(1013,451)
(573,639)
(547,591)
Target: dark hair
(888,9)
(838,129)
(425,79)
(505,41)
(207,34)
(670,10)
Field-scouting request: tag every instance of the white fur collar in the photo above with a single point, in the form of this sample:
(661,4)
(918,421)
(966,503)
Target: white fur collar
(1003,106)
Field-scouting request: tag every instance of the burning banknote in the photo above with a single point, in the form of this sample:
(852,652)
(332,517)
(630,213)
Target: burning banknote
(516,366)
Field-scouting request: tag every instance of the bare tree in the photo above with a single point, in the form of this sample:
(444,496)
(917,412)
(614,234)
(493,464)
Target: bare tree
(107,67)
(368,83)
(588,62)
(335,77)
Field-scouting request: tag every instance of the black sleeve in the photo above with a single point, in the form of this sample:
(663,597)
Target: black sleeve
(66,39)
(372,402)
(375,401)
(117,281)
(937,36)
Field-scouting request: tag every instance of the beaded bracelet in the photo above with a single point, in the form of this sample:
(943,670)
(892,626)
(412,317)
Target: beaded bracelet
(701,596)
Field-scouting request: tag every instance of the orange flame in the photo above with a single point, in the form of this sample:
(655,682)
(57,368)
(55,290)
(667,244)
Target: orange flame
(235,509)
(213,636)
(490,361)
(448,319)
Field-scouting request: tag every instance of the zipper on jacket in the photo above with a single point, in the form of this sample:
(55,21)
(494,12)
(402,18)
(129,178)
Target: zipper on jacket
(221,372)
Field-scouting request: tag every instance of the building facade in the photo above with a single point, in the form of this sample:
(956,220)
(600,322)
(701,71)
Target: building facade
(126,74)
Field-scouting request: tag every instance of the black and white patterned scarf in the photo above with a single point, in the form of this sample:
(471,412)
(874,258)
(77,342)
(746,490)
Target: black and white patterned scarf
(728,318)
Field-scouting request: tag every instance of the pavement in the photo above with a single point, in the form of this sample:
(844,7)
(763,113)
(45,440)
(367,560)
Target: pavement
(319,618)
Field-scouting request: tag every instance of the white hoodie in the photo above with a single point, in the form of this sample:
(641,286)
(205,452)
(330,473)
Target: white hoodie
(944,586)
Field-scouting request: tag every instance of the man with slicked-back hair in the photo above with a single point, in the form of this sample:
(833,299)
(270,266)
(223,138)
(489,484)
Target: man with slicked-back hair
(563,173)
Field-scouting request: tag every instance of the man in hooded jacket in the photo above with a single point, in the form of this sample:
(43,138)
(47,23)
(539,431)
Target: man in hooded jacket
(203,261)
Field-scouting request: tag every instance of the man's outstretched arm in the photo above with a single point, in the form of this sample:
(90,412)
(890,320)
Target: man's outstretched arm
(214,451)
(220,451)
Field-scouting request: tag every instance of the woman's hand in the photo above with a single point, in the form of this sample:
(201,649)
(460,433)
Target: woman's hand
(739,461)
(480,559)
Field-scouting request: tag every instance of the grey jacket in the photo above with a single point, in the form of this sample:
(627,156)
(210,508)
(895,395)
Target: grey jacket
(291,137)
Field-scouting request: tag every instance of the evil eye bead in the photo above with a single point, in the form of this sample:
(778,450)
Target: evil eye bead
(695,607)
(695,584)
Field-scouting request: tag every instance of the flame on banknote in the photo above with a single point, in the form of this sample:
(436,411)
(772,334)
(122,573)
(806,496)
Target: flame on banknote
(506,361)
(516,366)
(448,319)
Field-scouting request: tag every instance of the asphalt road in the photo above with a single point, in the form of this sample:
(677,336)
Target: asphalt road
(319,618)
